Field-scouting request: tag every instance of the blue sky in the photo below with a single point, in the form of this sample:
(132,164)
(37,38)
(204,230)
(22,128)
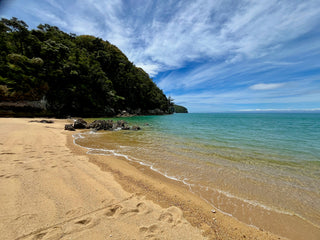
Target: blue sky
(208,55)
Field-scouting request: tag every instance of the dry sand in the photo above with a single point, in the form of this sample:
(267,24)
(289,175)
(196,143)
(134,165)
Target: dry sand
(51,189)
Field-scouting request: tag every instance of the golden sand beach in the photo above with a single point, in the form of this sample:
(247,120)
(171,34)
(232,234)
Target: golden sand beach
(51,189)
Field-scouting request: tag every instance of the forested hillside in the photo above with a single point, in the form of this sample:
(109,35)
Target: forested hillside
(72,75)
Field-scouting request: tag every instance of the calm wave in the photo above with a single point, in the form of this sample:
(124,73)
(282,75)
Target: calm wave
(259,161)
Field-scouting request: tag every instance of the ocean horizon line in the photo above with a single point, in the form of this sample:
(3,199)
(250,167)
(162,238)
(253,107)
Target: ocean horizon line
(264,111)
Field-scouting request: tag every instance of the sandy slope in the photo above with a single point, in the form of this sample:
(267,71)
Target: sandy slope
(46,192)
(50,189)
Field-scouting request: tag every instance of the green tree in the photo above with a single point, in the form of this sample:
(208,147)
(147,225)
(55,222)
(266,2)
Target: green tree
(77,75)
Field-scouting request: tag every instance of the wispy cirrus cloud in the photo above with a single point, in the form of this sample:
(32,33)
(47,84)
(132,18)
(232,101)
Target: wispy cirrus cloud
(255,50)
(266,86)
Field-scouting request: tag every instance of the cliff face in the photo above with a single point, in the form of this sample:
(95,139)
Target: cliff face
(77,75)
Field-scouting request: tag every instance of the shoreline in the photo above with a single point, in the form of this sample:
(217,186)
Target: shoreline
(267,219)
(52,188)
(165,191)
(252,214)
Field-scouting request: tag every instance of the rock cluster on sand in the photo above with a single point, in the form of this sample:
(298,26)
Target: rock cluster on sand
(100,125)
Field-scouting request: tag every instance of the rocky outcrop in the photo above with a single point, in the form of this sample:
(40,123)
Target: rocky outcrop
(69,127)
(80,124)
(101,125)
(122,124)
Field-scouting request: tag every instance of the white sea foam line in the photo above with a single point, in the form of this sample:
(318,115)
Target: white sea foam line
(227,194)
(79,135)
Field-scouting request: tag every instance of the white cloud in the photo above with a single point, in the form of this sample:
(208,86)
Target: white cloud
(172,33)
(301,92)
(250,30)
(266,86)
(151,69)
(234,47)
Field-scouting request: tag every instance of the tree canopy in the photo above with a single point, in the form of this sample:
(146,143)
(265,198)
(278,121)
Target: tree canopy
(74,75)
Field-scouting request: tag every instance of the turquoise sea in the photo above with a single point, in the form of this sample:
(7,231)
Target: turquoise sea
(262,168)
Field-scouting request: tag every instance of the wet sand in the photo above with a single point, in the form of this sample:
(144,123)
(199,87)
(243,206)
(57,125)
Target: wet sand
(51,189)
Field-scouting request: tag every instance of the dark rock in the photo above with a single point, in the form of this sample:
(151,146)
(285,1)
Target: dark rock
(46,121)
(69,127)
(42,121)
(80,124)
(135,128)
(109,125)
(101,125)
(122,124)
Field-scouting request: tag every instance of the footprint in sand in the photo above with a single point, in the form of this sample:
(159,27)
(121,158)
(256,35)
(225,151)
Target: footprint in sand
(81,225)
(150,231)
(39,235)
(61,230)
(143,208)
(172,215)
(166,217)
(25,217)
(112,210)
(83,221)
(131,211)
(107,202)
(10,176)
(76,212)
(29,168)
(51,233)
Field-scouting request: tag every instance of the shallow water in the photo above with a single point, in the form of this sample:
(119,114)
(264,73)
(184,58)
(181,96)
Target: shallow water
(255,167)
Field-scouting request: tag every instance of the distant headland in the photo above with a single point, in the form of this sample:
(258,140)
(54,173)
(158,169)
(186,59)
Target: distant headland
(180,109)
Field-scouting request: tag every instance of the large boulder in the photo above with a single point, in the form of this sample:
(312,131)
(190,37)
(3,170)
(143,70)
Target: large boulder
(69,127)
(80,124)
(101,125)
